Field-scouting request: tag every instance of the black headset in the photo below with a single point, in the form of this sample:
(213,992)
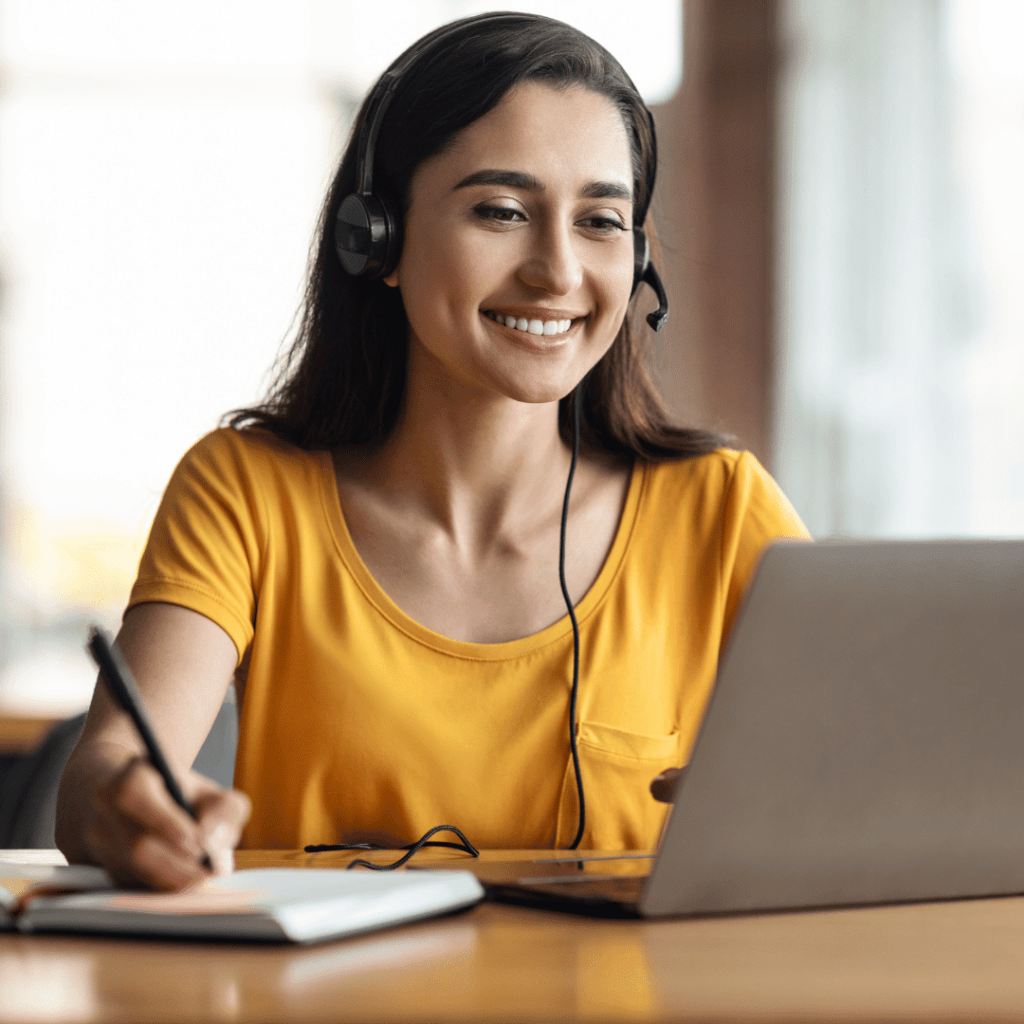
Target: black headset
(367,231)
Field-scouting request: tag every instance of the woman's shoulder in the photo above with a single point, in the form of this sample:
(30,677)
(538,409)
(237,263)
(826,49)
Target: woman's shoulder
(251,469)
(725,482)
(251,451)
(716,469)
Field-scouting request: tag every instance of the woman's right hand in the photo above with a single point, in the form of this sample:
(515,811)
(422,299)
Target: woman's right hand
(142,837)
(113,808)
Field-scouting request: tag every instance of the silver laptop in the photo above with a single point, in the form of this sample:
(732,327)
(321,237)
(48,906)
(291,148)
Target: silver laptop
(864,744)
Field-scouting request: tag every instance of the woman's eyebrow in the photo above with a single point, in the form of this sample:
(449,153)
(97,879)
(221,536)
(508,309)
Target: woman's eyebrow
(529,183)
(606,190)
(510,179)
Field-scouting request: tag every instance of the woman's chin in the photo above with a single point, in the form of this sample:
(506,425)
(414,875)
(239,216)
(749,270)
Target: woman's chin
(541,391)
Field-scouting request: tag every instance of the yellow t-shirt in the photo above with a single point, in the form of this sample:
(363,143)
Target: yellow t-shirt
(357,717)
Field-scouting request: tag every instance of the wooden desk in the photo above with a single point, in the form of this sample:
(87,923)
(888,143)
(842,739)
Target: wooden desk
(960,961)
(21,734)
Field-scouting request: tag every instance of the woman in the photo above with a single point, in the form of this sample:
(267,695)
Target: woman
(373,553)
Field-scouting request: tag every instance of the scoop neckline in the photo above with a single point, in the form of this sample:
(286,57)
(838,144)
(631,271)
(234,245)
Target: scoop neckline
(507,649)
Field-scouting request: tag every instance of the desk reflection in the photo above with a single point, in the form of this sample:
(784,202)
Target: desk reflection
(961,961)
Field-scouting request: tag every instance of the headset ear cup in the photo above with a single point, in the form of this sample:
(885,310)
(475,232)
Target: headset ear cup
(641,258)
(367,236)
(393,251)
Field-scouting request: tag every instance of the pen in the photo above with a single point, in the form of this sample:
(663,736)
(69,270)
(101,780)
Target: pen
(115,671)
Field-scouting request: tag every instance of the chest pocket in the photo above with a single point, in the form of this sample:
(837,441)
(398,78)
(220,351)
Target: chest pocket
(617,767)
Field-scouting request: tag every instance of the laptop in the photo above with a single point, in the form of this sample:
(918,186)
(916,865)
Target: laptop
(864,744)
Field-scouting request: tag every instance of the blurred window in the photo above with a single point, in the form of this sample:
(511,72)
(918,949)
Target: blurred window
(901,362)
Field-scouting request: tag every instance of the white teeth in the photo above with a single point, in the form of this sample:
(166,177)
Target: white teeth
(537,327)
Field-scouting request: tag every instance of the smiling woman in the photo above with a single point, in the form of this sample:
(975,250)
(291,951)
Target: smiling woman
(464,423)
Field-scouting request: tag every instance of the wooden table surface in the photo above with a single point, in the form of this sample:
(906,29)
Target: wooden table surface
(957,961)
(21,734)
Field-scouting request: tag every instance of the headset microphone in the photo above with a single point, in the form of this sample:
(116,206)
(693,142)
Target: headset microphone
(644,272)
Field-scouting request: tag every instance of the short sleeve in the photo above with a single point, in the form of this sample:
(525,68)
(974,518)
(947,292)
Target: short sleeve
(204,550)
(756,513)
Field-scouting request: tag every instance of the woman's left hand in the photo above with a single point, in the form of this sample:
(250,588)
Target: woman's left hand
(663,787)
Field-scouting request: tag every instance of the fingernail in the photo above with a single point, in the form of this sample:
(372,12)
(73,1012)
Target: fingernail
(218,837)
(219,847)
(223,861)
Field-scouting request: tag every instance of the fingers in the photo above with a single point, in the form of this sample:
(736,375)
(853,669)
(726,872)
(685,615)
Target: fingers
(143,837)
(221,814)
(663,787)
(140,835)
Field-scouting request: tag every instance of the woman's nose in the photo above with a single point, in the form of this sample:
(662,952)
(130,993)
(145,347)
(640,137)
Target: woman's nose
(553,265)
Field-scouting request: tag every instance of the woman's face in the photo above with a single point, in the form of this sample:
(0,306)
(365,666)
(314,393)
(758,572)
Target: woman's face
(525,218)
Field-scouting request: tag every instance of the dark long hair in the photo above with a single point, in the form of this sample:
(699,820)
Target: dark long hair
(343,379)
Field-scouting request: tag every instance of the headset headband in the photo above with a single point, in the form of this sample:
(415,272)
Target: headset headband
(384,91)
(368,233)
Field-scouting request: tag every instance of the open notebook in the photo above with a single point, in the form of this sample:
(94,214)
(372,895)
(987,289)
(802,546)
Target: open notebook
(261,904)
(864,744)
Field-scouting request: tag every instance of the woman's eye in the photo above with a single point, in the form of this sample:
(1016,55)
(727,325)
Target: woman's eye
(604,225)
(501,214)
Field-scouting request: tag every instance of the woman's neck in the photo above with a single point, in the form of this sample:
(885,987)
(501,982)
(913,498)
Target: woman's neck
(456,516)
(476,469)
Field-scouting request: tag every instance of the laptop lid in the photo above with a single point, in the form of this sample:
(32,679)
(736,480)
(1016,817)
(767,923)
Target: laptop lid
(865,739)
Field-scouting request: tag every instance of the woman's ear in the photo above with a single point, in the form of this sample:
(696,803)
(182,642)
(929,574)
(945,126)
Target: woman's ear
(392,279)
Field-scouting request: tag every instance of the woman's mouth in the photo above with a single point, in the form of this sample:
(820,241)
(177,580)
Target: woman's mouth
(545,328)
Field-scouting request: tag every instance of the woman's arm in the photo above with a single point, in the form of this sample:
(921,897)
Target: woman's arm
(113,808)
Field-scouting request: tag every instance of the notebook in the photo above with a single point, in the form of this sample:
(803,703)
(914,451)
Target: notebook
(864,744)
(260,904)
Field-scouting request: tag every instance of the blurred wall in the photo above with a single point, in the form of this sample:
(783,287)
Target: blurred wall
(716,216)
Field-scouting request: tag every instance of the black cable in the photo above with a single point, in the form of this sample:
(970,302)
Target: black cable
(411,849)
(466,845)
(577,401)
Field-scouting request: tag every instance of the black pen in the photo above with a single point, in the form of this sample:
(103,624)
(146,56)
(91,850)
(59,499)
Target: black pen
(115,671)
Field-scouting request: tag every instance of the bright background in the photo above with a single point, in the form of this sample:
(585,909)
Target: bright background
(162,167)
(161,170)
(900,371)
